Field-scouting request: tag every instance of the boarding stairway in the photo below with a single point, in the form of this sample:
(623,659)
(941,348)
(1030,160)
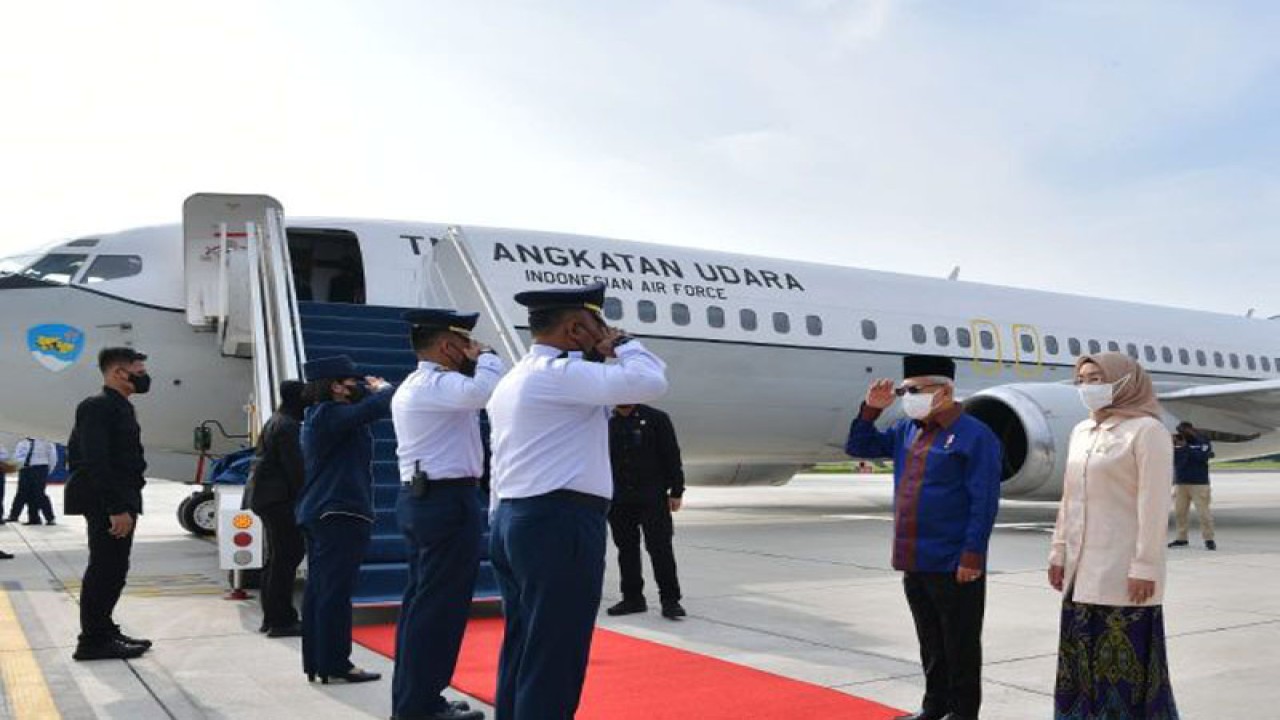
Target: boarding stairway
(240,288)
(378,341)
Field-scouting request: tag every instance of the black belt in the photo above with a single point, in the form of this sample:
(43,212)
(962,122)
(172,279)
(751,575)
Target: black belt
(595,502)
(448,482)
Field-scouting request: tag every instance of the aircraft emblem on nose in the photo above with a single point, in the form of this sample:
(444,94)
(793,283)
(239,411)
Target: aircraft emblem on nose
(56,347)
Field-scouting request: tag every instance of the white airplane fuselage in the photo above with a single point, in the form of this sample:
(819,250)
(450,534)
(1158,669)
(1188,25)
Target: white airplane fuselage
(752,402)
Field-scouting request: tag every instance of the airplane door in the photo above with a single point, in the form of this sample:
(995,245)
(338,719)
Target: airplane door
(1028,356)
(988,348)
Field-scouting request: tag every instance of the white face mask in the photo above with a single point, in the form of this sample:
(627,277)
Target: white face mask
(1097,396)
(917,405)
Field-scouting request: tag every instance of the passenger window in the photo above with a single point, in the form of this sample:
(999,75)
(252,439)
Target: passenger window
(1235,361)
(748,319)
(1149,352)
(56,268)
(869,331)
(813,324)
(1113,346)
(1201,359)
(1132,350)
(680,314)
(1217,359)
(1166,354)
(112,267)
(715,316)
(1051,344)
(612,308)
(1028,343)
(648,311)
(963,338)
(919,335)
(1184,357)
(1095,347)
(987,339)
(942,336)
(782,322)
(1266,363)
(1250,362)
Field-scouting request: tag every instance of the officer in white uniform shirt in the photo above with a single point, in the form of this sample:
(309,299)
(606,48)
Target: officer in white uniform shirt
(552,483)
(436,412)
(34,458)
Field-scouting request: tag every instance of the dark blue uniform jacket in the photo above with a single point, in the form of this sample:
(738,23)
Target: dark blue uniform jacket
(337,450)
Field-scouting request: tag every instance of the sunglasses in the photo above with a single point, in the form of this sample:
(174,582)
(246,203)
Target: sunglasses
(912,389)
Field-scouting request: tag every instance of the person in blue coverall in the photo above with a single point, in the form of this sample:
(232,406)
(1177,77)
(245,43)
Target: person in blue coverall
(335,508)
(946,478)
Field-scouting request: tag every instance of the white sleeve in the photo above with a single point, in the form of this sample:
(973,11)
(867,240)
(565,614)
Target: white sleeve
(455,391)
(638,376)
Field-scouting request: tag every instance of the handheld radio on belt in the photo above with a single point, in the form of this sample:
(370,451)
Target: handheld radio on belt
(420,485)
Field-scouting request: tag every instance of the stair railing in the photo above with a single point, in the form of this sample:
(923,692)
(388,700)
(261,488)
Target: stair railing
(278,352)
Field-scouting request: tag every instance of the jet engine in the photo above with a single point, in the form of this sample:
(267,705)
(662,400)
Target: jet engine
(1034,422)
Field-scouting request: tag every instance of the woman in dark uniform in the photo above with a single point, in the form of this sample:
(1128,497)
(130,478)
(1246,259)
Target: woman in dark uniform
(335,510)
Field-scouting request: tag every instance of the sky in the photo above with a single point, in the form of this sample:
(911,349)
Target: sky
(1128,150)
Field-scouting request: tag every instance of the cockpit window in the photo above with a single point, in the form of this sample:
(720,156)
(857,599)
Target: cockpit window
(58,267)
(112,267)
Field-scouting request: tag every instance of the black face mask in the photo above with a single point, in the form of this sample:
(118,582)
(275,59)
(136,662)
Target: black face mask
(141,383)
(356,393)
(468,367)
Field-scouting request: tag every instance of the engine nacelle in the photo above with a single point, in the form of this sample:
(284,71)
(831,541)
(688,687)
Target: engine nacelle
(1034,422)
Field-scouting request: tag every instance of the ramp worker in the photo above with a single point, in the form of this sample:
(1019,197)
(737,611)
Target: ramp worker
(335,510)
(552,484)
(107,465)
(436,412)
(946,480)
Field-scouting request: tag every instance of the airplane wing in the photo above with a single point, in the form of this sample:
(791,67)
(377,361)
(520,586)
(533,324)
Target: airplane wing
(1241,408)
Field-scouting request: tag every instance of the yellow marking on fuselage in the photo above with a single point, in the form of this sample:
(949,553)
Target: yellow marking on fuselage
(24,682)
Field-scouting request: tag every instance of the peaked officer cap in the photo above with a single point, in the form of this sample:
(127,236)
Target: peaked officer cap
(590,297)
(338,367)
(461,323)
(927,365)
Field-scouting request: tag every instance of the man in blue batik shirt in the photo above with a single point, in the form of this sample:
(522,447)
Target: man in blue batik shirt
(946,477)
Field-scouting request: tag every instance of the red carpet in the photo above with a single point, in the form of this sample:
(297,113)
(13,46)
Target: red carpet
(634,679)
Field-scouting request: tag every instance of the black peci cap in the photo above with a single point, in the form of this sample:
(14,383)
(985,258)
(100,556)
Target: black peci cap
(338,367)
(928,365)
(461,323)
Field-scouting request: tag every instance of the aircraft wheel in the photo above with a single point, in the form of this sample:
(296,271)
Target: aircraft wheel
(183,519)
(199,513)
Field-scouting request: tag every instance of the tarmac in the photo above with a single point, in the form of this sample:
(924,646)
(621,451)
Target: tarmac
(793,580)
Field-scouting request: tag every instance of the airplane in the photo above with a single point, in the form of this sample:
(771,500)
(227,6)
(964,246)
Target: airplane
(768,358)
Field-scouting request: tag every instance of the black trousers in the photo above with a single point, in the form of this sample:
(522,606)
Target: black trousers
(285,550)
(104,580)
(626,522)
(33,483)
(948,617)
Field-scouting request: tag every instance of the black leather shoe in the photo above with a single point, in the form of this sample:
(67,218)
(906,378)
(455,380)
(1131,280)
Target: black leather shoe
(112,649)
(33,522)
(628,607)
(1178,543)
(352,676)
(5,556)
(453,711)
(673,611)
(954,716)
(1210,545)
(140,642)
(294,630)
(921,715)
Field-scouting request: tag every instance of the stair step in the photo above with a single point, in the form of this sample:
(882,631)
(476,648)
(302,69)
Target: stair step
(355,325)
(349,310)
(357,338)
(383,583)
(402,358)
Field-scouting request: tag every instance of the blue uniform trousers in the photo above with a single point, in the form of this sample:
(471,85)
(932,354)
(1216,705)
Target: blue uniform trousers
(335,546)
(33,483)
(548,553)
(442,530)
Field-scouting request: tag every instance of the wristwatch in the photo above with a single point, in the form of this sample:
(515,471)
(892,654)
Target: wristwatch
(622,340)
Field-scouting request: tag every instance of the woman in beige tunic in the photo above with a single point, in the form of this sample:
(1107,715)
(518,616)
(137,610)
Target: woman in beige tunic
(1108,554)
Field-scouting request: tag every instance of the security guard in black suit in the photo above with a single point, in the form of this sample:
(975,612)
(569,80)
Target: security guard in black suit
(107,466)
(436,412)
(648,485)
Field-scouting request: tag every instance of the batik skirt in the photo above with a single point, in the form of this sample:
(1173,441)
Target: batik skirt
(1112,664)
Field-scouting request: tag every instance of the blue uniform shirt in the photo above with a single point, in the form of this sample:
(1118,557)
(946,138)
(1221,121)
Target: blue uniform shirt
(1191,462)
(946,478)
(337,449)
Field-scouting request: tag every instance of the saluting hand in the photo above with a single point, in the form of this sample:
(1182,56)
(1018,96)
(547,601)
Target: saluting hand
(476,349)
(605,346)
(376,383)
(880,394)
